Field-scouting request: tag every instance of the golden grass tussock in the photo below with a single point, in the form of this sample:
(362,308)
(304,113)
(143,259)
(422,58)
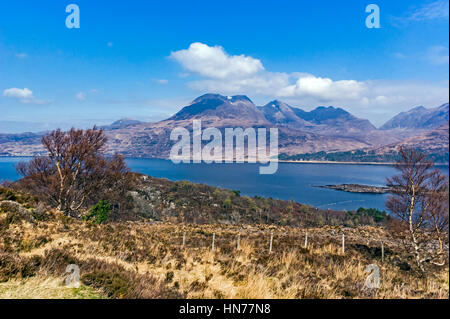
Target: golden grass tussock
(44,288)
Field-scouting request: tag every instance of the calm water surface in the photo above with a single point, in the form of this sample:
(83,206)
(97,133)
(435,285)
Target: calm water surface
(292,181)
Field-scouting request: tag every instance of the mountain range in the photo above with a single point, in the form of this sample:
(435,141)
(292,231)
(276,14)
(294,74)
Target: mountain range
(419,118)
(326,128)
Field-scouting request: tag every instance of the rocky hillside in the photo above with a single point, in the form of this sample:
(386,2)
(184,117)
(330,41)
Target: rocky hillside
(219,110)
(20,144)
(419,118)
(431,142)
(324,129)
(164,200)
(282,114)
(173,257)
(153,139)
(331,118)
(122,123)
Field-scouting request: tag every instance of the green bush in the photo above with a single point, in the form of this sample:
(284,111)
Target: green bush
(227,202)
(377,215)
(99,213)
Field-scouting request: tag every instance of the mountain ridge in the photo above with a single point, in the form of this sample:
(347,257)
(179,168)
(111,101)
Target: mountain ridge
(329,129)
(419,118)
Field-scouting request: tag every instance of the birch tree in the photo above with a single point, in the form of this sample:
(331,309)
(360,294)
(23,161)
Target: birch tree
(75,174)
(420,200)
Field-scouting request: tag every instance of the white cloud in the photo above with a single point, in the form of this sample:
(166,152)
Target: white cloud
(265,83)
(244,74)
(219,73)
(18,93)
(81,96)
(438,55)
(21,55)
(24,95)
(430,11)
(399,55)
(161,81)
(324,88)
(214,62)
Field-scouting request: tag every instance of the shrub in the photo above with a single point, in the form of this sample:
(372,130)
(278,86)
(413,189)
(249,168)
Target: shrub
(227,203)
(217,193)
(15,266)
(114,285)
(99,213)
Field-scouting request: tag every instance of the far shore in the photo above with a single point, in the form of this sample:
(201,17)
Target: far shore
(348,162)
(279,161)
(335,162)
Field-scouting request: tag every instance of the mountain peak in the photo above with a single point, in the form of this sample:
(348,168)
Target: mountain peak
(280,113)
(419,118)
(443,107)
(208,97)
(323,113)
(418,108)
(210,105)
(124,122)
(276,104)
(236,98)
(335,118)
(216,98)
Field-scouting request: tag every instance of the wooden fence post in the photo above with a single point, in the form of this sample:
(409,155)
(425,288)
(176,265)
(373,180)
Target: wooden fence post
(239,242)
(306,240)
(214,237)
(184,239)
(343,243)
(271,241)
(382,251)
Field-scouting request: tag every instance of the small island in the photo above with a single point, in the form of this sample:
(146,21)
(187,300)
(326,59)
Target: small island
(357,188)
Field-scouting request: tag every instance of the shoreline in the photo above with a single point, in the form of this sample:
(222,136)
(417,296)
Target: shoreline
(279,161)
(349,163)
(358,188)
(334,162)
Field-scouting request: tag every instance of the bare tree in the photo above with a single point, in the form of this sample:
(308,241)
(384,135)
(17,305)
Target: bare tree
(419,200)
(75,173)
(437,213)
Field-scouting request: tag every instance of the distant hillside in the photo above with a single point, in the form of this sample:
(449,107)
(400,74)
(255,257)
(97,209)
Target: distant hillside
(335,118)
(322,119)
(121,124)
(214,110)
(434,143)
(24,144)
(280,113)
(419,118)
(324,129)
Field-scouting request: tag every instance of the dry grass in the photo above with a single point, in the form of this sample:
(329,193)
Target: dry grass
(44,288)
(143,260)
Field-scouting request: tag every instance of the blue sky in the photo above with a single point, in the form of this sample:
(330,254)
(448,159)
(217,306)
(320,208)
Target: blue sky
(147,59)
